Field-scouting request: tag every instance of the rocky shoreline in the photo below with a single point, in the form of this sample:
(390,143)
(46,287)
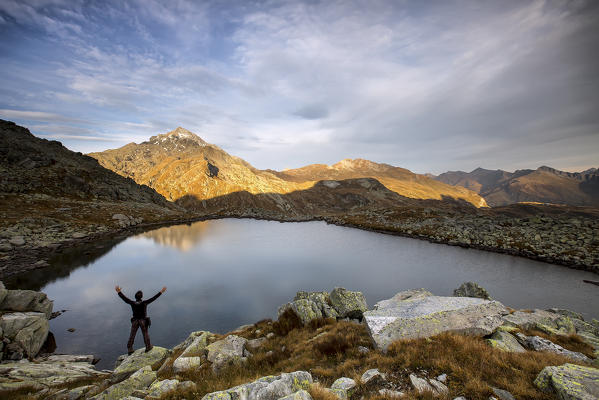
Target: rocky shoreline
(337,327)
(555,240)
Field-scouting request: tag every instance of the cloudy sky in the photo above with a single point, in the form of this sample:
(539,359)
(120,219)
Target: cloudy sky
(426,85)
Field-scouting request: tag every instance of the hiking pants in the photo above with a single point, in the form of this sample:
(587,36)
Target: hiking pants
(139,323)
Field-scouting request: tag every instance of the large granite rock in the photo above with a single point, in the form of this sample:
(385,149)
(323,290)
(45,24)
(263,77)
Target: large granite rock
(343,387)
(141,379)
(266,388)
(417,313)
(26,300)
(186,364)
(198,345)
(28,330)
(529,320)
(471,289)
(506,342)
(538,343)
(227,351)
(570,382)
(306,310)
(23,375)
(140,359)
(349,304)
(322,300)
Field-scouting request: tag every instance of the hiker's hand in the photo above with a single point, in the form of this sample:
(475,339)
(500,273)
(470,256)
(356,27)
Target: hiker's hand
(117,288)
(163,289)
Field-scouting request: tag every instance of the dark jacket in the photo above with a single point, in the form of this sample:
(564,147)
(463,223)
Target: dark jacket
(139,307)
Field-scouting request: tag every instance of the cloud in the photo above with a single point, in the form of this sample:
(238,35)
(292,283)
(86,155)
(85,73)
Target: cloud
(428,86)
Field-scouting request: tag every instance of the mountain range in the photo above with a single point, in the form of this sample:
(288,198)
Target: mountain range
(542,185)
(184,168)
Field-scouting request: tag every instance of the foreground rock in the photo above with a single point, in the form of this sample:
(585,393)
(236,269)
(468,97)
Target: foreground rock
(505,341)
(417,314)
(570,382)
(141,379)
(229,351)
(538,343)
(266,388)
(471,289)
(139,359)
(29,376)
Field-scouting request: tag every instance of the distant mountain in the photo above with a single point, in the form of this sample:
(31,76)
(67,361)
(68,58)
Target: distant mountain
(182,166)
(543,185)
(30,165)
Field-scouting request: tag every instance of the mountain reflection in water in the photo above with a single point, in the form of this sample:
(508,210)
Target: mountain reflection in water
(182,237)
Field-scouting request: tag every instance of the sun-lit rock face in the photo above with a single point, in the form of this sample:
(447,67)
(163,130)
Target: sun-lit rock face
(181,165)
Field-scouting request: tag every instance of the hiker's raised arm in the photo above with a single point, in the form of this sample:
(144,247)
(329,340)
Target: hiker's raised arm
(122,296)
(151,299)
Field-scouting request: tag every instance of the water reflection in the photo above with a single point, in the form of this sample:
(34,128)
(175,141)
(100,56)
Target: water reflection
(182,237)
(224,273)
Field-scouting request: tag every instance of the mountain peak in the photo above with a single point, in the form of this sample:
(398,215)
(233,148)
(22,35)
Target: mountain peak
(178,134)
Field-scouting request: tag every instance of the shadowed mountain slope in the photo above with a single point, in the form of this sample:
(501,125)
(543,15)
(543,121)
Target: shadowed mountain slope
(179,164)
(543,185)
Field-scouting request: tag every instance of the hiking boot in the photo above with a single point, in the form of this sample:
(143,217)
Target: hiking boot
(149,348)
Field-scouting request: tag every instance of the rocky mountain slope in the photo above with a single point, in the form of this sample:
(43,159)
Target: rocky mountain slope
(543,185)
(51,196)
(180,165)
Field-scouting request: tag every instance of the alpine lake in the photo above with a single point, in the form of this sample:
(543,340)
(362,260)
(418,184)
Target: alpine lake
(221,274)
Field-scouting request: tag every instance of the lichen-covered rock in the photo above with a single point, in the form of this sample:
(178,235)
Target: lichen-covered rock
(343,387)
(506,342)
(141,379)
(299,395)
(566,313)
(227,351)
(322,301)
(46,374)
(471,289)
(189,340)
(538,343)
(266,388)
(186,364)
(197,346)
(27,300)
(139,359)
(570,382)
(529,320)
(419,384)
(28,330)
(417,313)
(306,310)
(502,394)
(162,388)
(349,304)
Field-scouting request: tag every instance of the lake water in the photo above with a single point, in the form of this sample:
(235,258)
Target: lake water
(222,274)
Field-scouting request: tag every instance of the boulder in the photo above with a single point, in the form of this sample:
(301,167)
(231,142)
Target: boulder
(186,364)
(422,385)
(141,379)
(163,388)
(140,359)
(569,382)
(306,310)
(502,394)
(506,342)
(529,320)
(566,313)
(372,376)
(322,301)
(343,387)
(471,289)
(28,330)
(27,300)
(189,340)
(24,376)
(266,388)
(348,304)
(229,350)
(538,343)
(254,344)
(197,346)
(299,395)
(417,313)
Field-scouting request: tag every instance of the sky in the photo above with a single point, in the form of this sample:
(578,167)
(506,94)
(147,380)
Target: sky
(426,85)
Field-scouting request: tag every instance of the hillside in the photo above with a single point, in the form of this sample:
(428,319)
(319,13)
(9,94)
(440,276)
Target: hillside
(180,165)
(543,185)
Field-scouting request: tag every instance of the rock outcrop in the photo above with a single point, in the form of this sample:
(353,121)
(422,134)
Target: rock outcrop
(570,382)
(472,289)
(140,359)
(417,313)
(266,388)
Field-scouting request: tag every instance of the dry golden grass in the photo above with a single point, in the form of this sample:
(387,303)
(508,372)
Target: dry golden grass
(328,350)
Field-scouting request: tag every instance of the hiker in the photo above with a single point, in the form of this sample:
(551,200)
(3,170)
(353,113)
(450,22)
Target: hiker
(139,319)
